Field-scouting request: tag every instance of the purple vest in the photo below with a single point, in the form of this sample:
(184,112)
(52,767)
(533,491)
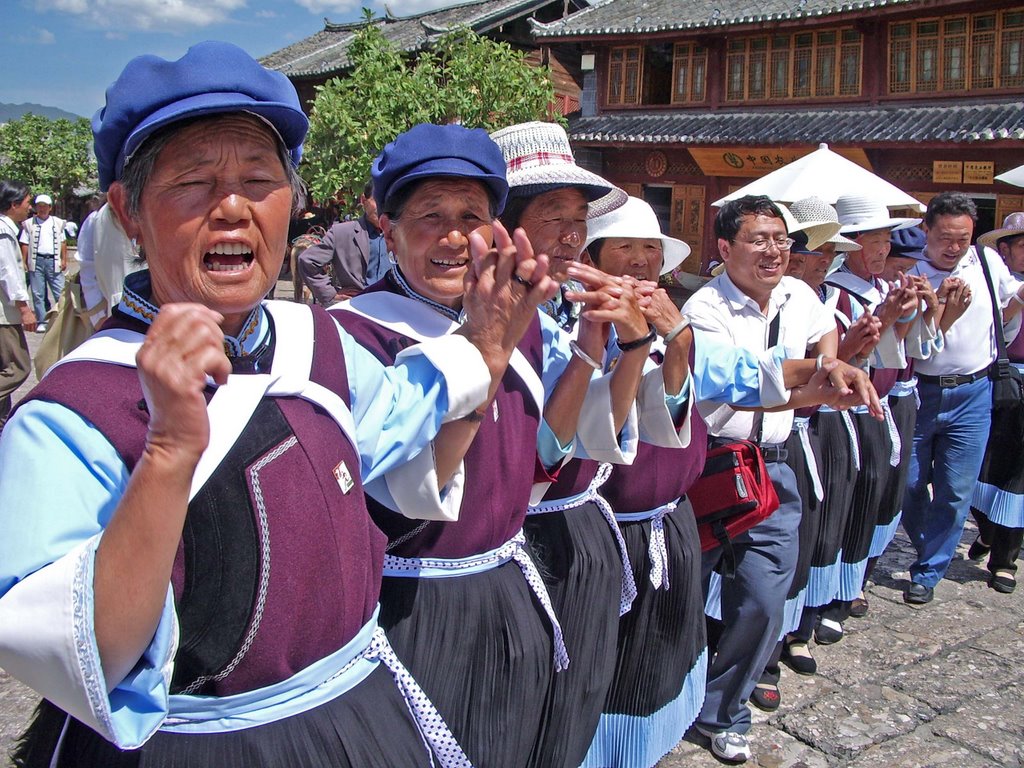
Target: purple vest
(499,464)
(659,475)
(275,498)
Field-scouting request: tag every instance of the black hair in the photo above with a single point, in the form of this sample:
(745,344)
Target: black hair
(11,193)
(950,204)
(368,189)
(594,249)
(730,215)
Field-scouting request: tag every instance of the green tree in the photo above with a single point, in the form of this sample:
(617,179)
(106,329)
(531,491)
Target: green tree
(464,78)
(52,156)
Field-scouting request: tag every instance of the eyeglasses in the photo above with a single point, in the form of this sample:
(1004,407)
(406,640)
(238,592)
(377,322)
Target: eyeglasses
(762,244)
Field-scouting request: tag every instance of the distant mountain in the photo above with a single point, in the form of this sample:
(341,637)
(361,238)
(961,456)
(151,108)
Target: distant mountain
(14,111)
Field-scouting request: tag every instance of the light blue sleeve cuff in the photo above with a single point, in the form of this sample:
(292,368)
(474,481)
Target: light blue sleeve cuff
(676,404)
(550,451)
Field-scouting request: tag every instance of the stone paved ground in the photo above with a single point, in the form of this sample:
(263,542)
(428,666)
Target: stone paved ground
(908,687)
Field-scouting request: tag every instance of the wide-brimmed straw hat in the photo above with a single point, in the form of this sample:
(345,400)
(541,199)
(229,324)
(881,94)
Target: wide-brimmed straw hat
(1013,225)
(811,213)
(858,213)
(538,159)
(636,219)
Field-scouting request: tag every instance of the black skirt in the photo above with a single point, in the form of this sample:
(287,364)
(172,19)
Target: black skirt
(580,561)
(367,727)
(875,451)
(810,517)
(838,475)
(480,646)
(904,414)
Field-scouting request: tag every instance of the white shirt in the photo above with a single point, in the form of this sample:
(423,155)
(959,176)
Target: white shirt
(12,274)
(728,316)
(43,238)
(969,342)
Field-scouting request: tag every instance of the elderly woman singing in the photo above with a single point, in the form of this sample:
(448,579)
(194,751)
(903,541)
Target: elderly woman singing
(187,568)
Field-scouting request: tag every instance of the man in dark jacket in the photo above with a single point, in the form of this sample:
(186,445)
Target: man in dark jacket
(354,250)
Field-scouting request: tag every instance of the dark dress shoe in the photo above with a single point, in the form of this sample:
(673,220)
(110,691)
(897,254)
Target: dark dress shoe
(859,607)
(918,594)
(1003,581)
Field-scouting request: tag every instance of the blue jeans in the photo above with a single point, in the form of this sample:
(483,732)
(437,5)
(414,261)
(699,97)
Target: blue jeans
(44,276)
(949,446)
(752,606)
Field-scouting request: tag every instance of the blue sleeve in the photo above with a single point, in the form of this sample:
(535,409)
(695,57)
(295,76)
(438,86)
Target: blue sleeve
(555,360)
(397,410)
(726,374)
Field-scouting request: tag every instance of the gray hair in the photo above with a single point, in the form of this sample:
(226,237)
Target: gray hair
(138,169)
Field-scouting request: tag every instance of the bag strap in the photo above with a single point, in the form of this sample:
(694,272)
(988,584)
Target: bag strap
(1002,359)
(773,339)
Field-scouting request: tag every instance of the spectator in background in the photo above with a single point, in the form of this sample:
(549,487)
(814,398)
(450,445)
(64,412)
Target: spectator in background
(44,250)
(354,250)
(17,317)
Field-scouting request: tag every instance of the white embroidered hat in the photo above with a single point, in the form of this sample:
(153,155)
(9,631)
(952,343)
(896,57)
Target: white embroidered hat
(813,211)
(538,159)
(46,199)
(863,214)
(635,218)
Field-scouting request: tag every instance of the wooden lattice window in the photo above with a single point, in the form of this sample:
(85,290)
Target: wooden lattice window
(690,63)
(624,75)
(803,65)
(959,53)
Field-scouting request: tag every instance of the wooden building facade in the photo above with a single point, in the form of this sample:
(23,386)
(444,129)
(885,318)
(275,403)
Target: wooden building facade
(683,103)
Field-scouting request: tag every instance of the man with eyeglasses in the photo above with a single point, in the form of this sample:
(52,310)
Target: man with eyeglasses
(752,304)
(956,394)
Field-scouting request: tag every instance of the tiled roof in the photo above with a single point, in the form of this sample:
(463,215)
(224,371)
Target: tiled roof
(949,123)
(619,17)
(326,52)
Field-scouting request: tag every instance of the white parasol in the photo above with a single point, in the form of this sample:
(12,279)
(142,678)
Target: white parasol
(1015,176)
(826,175)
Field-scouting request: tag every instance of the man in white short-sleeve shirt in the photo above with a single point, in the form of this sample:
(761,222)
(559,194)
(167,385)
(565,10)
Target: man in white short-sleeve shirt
(739,307)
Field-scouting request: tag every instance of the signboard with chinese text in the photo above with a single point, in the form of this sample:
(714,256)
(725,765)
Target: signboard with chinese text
(978,172)
(947,171)
(759,161)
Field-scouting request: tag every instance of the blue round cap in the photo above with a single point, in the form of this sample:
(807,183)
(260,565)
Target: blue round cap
(427,150)
(212,77)
(908,242)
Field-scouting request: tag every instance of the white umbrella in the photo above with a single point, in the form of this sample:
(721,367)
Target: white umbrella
(826,175)
(1015,176)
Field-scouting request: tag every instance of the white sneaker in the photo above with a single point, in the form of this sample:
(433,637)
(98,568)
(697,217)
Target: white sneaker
(41,328)
(728,745)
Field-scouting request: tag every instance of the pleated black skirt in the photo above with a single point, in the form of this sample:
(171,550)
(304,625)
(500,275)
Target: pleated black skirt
(660,654)
(577,554)
(875,451)
(838,475)
(367,727)
(480,646)
(999,494)
(810,517)
(904,415)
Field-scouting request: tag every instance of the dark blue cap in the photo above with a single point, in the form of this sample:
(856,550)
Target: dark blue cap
(426,151)
(212,77)
(800,244)
(908,242)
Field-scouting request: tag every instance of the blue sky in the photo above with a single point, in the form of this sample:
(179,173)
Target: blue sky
(64,53)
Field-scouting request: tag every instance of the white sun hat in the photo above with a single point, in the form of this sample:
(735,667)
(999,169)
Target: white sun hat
(636,219)
(858,213)
(538,159)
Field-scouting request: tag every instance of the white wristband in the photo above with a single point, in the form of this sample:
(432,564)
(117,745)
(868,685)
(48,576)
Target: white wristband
(819,363)
(670,336)
(578,351)
(1017,298)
